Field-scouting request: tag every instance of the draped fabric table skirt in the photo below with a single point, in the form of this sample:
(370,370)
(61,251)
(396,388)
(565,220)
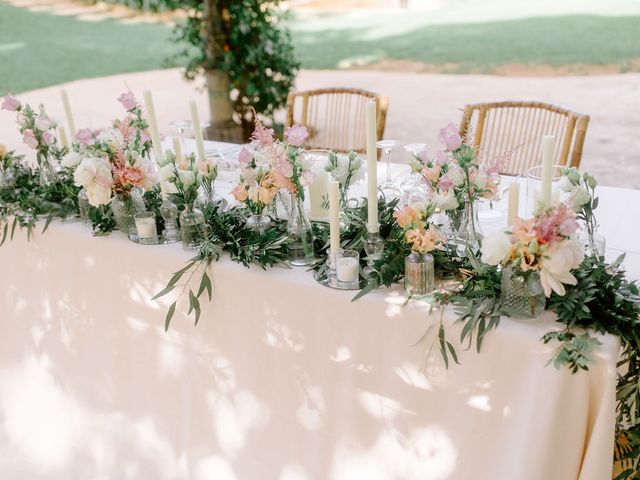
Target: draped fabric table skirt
(281,379)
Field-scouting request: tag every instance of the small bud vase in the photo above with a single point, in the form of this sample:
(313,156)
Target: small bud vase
(419,274)
(207,198)
(192,228)
(259,222)
(124,206)
(300,234)
(468,234)
(83,204)
(594,242)
(521,295)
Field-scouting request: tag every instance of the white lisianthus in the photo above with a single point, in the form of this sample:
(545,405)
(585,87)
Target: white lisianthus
(167,173)
(94,175)
(564,184)
(557,263)
(579,196)
(447,201)
(495,248)
(456,175)
(340,172)
(112,136)
(71,160)
(187,177)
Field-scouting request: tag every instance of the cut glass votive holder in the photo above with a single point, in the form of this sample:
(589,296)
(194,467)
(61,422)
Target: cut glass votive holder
(146,227)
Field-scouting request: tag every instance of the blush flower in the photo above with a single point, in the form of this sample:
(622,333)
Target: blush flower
(29,138)
(406,216)
(11,103)
(84,136)
(43,122)
(128,100)
(296,135)
(450,137)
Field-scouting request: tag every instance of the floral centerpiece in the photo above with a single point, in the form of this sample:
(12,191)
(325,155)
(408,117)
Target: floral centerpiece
(8,162)
(38,132)
(537,256)
(422,237)
(112,165)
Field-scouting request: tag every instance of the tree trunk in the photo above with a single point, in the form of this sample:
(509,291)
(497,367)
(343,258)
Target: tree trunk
(220,105)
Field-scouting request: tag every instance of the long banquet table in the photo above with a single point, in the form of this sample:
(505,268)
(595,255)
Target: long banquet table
(281,379)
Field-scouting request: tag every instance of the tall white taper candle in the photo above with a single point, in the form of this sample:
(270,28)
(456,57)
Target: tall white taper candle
(62,135)
(197,130)
(548,142)
(177,148)
(67,113)
(514,202)
(334,216)
(153,123)
(372,167)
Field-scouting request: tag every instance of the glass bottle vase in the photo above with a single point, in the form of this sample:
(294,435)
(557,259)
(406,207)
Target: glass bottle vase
(594,242)
(419,274)
(83,205)
(300,234)
(468,235)
(522,296)
(124,207)
(207,198)
(192,228)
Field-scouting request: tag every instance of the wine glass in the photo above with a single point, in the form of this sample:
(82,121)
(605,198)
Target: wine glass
(389,188)
(181,126)
(413,187)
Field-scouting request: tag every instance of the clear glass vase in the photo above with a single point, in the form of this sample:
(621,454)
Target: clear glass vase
(192,228)
(419,274)
(259,222)
(521,295)
(124,207)
(46,172)
(468,234)
(300,234)
(594,242)
(207,198)
(83,205)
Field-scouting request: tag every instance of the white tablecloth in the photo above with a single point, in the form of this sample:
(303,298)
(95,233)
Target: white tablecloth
(282,379)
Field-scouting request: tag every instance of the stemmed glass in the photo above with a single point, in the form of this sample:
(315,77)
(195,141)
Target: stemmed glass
(389,188)
(413,187)
(182,125)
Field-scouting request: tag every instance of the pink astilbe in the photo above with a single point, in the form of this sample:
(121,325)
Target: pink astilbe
(264,136)
(500,162)
(556,224)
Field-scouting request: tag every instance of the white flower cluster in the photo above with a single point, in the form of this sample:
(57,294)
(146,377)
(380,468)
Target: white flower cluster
(345,169)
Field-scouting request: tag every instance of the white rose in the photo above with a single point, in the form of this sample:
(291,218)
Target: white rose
(557,263)
(495,248)
(187,177)
(71,160)
(93,170)
(98,195)
(447,201)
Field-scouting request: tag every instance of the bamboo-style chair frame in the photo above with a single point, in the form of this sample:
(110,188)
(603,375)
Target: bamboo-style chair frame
(335,117)
(502,126)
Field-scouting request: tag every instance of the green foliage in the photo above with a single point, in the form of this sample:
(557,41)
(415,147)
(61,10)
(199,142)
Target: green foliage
(249,46)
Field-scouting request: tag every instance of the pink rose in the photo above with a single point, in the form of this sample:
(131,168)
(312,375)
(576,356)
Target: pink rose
(296,135)
(450,137)
(29,138)
(42,122)
(48,138)
(84,136)
(11,103)
(128,100)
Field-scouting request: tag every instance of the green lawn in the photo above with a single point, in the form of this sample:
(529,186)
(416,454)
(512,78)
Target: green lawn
(39,49)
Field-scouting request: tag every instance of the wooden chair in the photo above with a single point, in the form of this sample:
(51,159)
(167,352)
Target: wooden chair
(497,127)
(335,117)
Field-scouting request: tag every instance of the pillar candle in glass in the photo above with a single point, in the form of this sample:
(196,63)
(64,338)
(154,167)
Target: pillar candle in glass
(146,227)
(348,267)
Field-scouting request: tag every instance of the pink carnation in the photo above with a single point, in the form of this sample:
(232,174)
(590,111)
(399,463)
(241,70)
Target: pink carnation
(11,103)
(296,135)
(29,138)
(128,100)
(450,137)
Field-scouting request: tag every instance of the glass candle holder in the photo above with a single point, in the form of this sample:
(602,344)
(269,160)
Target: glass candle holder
(146,227)
(419,274)
(534,188)
(347,265)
